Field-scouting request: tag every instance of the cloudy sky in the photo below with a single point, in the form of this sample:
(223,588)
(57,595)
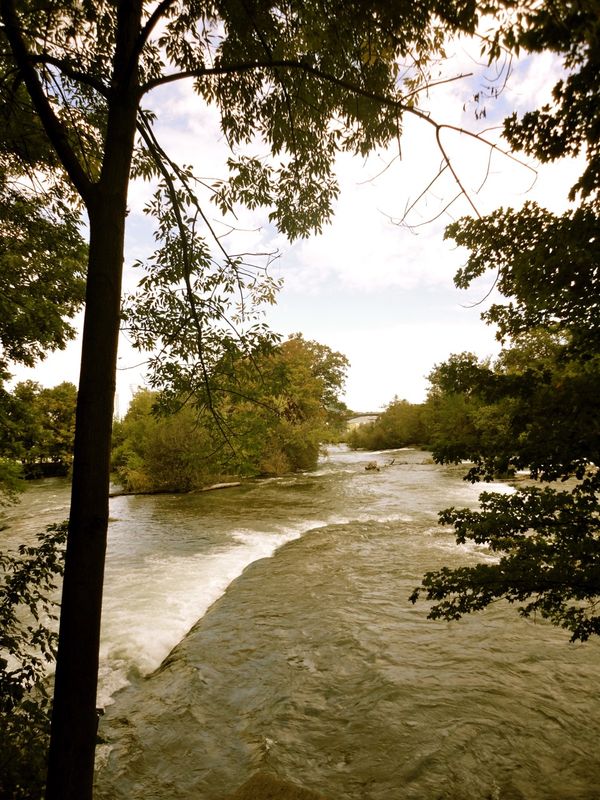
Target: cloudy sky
(379,292)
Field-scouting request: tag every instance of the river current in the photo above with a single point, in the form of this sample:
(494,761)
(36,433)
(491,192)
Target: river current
(267,627)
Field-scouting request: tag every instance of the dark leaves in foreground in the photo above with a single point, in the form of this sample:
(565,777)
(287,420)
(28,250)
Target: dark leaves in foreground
(548,543)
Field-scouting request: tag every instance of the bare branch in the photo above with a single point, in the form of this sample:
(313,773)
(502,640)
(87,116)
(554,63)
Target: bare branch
(156,149)
(486,295)
(409,208)
(480,138)
(381,172)
(459,183)
(431,84)
(436,216)
(158,155)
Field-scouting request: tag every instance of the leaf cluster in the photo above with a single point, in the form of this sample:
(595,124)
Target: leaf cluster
(29,582)
(269,418)
(547,265)
(549,557)
(537,408)
(569,124)
(196,307)
(28,604)
(301,80)
(42,274)
(507,413)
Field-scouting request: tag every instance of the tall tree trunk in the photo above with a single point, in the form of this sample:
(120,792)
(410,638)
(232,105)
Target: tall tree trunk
(74,721)
(71,762)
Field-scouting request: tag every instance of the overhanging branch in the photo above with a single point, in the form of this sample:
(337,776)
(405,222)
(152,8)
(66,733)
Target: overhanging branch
(50,121)
(69,72)
(401,104)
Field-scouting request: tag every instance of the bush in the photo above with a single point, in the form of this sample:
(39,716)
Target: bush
(28,641)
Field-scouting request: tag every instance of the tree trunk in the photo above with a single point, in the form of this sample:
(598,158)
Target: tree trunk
(74,720)
(72,748)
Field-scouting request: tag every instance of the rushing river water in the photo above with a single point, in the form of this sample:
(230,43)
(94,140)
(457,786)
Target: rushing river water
(312,663)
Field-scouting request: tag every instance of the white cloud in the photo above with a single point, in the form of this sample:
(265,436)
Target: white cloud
(395,359)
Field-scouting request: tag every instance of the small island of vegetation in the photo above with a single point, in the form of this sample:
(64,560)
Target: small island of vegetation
(283,405)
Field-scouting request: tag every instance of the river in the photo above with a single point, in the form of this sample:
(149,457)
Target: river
(267,627)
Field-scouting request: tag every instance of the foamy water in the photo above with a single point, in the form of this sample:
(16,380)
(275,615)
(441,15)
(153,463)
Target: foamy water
(165,596)
(312,662)
(170,558)
(314,665)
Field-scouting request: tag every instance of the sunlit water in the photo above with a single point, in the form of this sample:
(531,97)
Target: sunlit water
(312,663)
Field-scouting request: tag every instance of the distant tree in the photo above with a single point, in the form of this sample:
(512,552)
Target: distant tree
(278,408)
(22,434)
(10,484)
(401,424)
(57,407)
(287,404)
(38,427)
(155,452)
(451,413)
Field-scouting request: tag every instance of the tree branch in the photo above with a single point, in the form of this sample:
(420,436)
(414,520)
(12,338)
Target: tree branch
(144,34)
(187,268)
(74,74)
(52,125)
(401,104)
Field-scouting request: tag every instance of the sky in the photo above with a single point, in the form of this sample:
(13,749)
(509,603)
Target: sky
(379,292)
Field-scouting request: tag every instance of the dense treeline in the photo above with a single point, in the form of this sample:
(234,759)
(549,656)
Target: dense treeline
(495,413)
(37,427)
(402,424)
(284,406)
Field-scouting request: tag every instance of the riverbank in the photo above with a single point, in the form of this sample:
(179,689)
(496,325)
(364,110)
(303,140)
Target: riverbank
(211,488)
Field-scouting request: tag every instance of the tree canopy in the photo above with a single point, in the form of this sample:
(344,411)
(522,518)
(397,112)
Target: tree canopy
(285,404)
(539,404)
(42,266)
(568,124)
(42,252)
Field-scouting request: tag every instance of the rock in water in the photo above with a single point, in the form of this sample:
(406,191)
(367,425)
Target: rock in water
(372,466)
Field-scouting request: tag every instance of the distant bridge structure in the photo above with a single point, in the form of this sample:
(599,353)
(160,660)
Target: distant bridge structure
(362,419)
